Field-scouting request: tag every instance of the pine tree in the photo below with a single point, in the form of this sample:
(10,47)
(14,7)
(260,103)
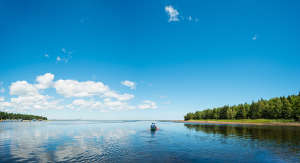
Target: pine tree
(287,109)
(297,109)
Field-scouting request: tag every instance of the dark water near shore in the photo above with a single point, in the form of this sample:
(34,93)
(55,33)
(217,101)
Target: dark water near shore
(132,141)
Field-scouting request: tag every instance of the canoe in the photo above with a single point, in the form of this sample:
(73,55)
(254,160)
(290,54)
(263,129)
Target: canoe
(153,128)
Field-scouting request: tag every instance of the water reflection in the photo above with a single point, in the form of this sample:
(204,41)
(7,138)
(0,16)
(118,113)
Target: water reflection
(281,140)
(153,133)
(47,142)
(278,134)
(119,141)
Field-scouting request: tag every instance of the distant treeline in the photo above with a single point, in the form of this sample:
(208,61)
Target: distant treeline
(4,116)
(275,108)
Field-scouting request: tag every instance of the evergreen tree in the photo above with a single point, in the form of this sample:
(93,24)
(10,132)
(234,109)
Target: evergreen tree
(287,110)
(275,108)
(297,108)
(5,115)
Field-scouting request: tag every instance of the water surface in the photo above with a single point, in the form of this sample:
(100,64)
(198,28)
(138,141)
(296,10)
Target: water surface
(132,141)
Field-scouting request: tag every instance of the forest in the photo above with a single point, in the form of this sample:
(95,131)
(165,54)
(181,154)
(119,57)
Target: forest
(274,108)
(5,116)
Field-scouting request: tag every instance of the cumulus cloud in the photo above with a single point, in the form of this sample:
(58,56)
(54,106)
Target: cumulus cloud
(86,104)
(117,105)
(73,88)
(91,94)
(147,104)
(121,97)
(129,84)
(44,81)
(28,96)
(58,58)
(172,13)
(22,88)
(34,102)
(81,104)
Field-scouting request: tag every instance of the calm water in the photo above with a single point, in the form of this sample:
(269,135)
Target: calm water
(132,141)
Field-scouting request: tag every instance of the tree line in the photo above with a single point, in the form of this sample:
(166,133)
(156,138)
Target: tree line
(274,108)
(5,116)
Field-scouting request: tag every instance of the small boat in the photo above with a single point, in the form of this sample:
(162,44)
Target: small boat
(153,127)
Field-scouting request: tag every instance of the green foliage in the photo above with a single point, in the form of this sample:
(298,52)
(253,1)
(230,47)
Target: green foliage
(296,108)
(189,116)
(275,108)
(4,115)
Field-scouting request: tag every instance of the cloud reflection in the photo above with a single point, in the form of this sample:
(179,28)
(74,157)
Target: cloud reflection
(44,142)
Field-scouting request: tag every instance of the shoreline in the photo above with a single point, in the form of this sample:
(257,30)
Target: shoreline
(241,123)
(14,120)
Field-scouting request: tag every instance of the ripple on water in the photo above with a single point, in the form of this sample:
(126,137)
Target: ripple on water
(132,141)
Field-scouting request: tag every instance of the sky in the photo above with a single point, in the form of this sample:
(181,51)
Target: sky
(141,59)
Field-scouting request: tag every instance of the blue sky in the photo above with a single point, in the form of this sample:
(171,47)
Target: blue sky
(145,59)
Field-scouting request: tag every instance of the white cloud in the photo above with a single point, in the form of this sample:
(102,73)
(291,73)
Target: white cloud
(121,97)
(85,104)
(175,16)
(172,13)
(94,95)
(58,58)
(44,81)
(129,84)
(73,88)
(117,105)
(26,102)
(34,102)
(28,98)
(148,105)
(22,88)
(4,105)
(46,55)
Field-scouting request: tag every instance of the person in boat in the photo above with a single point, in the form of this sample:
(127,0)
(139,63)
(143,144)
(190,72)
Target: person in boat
(153,126)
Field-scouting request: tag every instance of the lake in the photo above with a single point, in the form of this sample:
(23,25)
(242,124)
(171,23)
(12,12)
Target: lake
(132,141)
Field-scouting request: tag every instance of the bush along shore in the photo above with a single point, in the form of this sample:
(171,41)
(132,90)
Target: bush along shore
(274,110)
(4,116)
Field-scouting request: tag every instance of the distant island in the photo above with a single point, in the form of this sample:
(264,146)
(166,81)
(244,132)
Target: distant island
(278,109)
(16,116)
